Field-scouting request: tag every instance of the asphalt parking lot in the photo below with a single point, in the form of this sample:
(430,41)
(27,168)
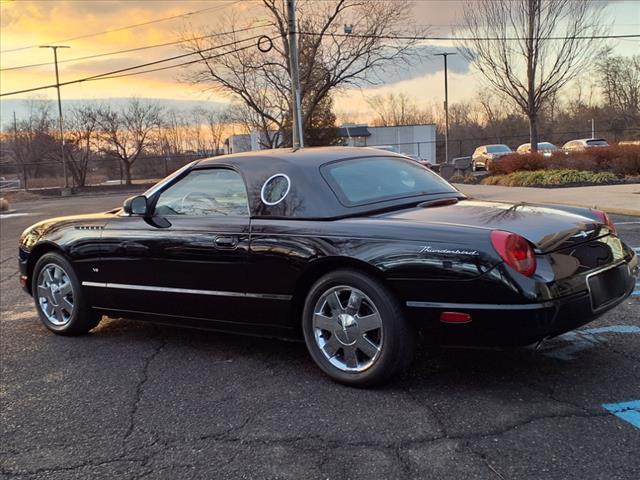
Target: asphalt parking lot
(134,400)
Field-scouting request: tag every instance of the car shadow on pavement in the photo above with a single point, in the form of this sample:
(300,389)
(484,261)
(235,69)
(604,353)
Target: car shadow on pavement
(450,366)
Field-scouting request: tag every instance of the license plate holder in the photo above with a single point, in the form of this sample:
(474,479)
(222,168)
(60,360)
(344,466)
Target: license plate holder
(607,286)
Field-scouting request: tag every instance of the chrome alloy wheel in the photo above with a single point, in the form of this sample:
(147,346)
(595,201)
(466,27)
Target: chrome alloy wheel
(55,294)
(348,328)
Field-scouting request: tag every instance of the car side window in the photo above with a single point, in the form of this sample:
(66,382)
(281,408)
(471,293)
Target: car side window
(206,192)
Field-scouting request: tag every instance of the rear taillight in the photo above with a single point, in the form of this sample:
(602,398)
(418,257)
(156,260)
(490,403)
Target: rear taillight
(604,218)
(515,251)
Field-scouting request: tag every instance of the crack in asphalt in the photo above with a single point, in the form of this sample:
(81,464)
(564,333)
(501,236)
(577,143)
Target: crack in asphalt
(485,459)
(430,410)
(70,468)
(405,464)
(308,442)
(144,377)
(10,276)
(549,393)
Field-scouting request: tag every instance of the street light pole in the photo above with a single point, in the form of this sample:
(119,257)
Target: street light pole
(63,156)
(298,133)
(444,55)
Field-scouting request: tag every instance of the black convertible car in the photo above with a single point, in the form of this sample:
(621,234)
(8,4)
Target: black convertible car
(355,250)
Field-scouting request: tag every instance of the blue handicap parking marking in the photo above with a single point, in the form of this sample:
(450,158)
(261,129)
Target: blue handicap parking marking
(636,291)
(627,411)
(579,340)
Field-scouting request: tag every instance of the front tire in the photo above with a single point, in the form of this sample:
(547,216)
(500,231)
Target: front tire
(58,297)
(355,329)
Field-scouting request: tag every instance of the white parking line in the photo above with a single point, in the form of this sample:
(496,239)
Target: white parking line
(9,215)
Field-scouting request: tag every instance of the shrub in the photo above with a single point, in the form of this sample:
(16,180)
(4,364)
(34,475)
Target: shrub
(492,180)
(619,159)
(471,179)
(456,179)
(627,160)
(4,205)
(518,162)
(550,177)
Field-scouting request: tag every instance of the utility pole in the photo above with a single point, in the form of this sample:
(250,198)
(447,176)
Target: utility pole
(15,151)
(444,55)
(63,156)
(298,133)
(593,128)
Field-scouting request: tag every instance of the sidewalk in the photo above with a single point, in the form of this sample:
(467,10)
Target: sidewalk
(620,199)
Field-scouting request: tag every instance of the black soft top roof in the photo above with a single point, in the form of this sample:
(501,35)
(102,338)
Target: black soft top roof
(310,196)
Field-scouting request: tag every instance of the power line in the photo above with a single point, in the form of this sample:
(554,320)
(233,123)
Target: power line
(115,73)
(127,27)
(168,67)
(418,37)
(129,50)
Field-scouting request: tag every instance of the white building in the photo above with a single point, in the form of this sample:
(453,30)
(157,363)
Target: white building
(416,140)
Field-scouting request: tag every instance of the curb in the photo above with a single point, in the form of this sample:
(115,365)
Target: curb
(622,211)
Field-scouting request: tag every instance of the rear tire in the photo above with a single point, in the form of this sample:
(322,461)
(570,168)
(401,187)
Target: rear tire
(58,297)
(355,329)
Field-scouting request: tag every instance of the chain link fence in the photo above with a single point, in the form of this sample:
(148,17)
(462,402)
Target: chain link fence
(98,171)
(148,169)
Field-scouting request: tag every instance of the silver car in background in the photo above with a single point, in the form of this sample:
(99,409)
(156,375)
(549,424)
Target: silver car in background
(584,144)
(545,148)
(484,155)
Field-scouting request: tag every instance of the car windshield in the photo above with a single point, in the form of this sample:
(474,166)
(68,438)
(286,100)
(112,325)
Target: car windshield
(598,142)
(375,179)
(498,148)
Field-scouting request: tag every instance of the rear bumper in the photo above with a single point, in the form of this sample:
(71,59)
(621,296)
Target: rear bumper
(515,324)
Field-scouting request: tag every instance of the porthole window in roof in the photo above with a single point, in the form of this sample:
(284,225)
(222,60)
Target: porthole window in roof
(275,189)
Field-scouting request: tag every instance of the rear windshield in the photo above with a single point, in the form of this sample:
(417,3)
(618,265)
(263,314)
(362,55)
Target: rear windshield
(498,148)
(376,179)
(546,145)
(597,142)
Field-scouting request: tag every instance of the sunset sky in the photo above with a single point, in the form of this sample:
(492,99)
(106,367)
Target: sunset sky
(32,23)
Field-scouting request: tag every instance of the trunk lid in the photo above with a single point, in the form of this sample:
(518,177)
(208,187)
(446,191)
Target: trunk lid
(546,227)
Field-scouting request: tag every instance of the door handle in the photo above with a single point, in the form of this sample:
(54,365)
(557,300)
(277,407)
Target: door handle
(223,241)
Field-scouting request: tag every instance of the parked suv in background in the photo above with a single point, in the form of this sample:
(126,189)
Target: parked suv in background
(584,143)
(545,148)
(486,154)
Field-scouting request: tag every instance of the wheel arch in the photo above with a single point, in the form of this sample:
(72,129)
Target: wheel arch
(321,267)
(35,254)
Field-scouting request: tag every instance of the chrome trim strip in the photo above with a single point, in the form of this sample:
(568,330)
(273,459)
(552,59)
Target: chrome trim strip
(218,293)
(481,306)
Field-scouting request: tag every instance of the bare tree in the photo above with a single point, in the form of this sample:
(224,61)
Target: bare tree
(620,82)
(533,67)
(125,134)
(35,149)
(328,59)
(81,125)
(172,133)
(398,109)
(213,123)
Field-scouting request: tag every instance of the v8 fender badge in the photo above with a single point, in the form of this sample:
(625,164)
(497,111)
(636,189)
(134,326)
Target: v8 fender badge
(447,251)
